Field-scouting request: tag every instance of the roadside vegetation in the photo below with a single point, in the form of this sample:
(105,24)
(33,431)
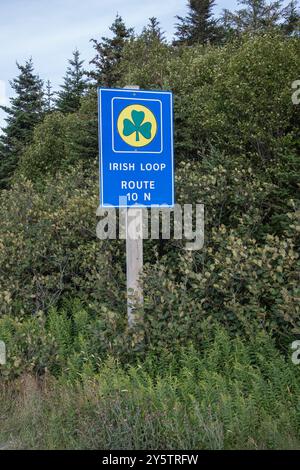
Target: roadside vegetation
(208,366)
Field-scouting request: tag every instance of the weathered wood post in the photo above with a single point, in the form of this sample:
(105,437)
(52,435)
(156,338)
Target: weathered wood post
(134,256)
(134,260)
(2,353)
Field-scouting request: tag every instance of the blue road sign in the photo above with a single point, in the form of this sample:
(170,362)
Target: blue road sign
(136,148)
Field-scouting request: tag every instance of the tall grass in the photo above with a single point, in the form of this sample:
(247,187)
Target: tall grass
(232,396)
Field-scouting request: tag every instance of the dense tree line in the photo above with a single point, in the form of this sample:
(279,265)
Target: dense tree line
(26,109)
(33,99)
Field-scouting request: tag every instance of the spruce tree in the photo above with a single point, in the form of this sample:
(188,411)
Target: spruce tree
(74,86)
(25,111)
(109,53)
(153,32)
(144,58)
(291,15)
(255,16)
(199,26)
(49,97)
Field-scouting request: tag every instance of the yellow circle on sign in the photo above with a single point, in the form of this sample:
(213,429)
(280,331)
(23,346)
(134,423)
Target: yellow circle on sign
(137,125)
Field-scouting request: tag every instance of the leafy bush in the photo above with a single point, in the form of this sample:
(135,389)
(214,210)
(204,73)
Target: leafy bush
(236,97)
(61,141)
(245,286)
(245,276)
(48,152)
(48,244)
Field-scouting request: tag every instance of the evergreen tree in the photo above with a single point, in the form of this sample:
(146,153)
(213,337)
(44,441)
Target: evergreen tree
(256,16)
(153,32)
(109,53)
(144,58)
(25,111)
(49,97)
(229,30)
(291,15)
(199,26)
(74,86)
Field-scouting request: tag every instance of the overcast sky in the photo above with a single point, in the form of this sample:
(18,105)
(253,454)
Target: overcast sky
(49,30)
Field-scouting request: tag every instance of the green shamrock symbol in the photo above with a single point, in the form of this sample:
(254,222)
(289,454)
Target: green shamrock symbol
(137,125)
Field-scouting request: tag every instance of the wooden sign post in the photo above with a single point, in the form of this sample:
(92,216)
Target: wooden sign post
(134,261)
(134,256)
(2,353)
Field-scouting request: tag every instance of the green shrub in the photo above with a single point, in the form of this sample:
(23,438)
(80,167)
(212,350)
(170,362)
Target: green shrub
(236,97)
(48,244)
(245,276)
(48,153)
(61,141)
(243,285)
